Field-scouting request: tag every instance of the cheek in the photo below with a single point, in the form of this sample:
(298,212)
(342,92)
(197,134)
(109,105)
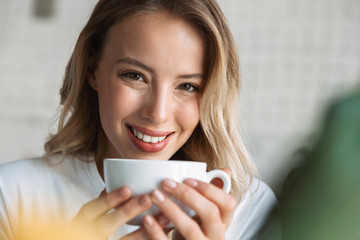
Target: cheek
(116,102)
(107,104)
(189,116)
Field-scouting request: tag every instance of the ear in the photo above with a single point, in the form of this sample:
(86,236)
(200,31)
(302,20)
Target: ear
(91,79)
(90,75)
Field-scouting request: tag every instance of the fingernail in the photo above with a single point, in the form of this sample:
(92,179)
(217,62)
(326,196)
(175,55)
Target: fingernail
(169,183)
(123,192)
(191,182)
(148,220)
(158,196)
(144,200)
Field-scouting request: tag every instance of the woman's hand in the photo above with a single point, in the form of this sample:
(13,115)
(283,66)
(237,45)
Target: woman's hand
(213,206)
(95,222)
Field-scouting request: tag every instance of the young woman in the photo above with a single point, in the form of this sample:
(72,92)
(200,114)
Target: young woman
(152,79)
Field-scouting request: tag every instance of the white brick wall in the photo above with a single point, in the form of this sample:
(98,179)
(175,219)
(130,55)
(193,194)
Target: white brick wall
(295,57)
(33,55)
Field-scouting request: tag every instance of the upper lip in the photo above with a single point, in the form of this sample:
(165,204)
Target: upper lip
(150,132)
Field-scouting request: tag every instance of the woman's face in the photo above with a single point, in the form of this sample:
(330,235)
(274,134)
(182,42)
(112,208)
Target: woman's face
(149,82)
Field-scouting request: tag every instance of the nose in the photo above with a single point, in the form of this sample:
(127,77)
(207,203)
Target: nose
(157,105)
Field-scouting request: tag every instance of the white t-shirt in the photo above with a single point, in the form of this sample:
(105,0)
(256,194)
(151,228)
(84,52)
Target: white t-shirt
(57,190)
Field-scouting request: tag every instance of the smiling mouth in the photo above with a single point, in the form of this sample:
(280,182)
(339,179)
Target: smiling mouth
(146,138)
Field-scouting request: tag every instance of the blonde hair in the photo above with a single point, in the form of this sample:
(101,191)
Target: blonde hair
(216,140)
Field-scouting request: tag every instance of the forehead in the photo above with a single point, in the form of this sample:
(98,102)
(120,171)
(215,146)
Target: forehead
(152,24)
(156,35)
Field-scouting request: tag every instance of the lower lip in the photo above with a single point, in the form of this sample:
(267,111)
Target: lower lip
(148,147)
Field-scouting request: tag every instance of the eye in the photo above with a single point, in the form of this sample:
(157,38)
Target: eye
(188,87)
(134,76)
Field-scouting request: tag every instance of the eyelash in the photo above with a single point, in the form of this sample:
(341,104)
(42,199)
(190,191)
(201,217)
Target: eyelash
(189,85)
(129,75)
(194,88)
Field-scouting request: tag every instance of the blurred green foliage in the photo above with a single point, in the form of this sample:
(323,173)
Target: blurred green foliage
(321,201)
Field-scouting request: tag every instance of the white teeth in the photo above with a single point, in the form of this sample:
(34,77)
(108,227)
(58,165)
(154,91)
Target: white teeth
(139,135)
(154,139)
(147,138)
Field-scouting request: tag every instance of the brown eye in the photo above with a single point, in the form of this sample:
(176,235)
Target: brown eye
(133,75)
(188,87)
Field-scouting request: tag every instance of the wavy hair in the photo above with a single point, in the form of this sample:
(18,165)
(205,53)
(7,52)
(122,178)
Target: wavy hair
(216,140)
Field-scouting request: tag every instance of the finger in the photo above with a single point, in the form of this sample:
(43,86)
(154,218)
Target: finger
(183,223)
(142,233)
(227,170)
(110,222)
(163,221)
(153,228)
(104,203)
(138,234)
(225,202)
(207,210)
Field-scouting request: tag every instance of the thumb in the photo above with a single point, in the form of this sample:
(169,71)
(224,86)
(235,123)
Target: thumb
(227,170)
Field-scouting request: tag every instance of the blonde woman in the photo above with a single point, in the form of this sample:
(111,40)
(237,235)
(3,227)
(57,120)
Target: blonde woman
(152,79)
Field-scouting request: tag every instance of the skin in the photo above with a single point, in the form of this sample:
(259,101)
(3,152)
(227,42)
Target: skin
(150,78)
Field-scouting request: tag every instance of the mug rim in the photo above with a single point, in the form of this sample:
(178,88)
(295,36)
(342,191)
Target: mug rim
(153,161)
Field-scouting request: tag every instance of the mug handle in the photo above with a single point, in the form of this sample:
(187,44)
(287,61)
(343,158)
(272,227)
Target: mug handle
(217,173)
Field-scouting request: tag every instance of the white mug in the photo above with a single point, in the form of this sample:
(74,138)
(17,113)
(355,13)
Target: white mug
(143,176)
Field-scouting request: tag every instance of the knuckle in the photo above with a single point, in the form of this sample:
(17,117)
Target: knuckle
(191,233)
(231,203)
(84,213)
(128,210)
(186,192)
(213,213)
(206,189)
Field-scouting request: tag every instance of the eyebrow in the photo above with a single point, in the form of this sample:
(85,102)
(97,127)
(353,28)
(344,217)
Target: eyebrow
(137,63)
(190,76)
